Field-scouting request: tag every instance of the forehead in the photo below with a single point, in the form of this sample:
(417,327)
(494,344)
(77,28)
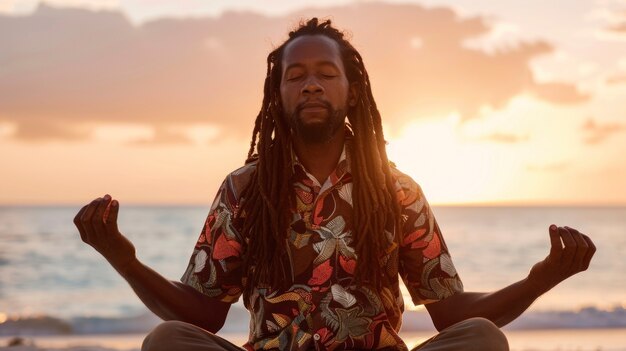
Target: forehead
(311,49)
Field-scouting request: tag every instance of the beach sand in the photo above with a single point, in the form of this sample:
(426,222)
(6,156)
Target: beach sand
(526,340)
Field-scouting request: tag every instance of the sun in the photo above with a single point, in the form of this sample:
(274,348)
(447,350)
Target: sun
(449,169)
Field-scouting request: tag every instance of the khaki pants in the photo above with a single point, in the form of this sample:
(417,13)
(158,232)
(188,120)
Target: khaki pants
(472,334)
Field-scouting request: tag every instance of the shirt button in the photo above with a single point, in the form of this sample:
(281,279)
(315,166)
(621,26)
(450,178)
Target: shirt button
(316,337)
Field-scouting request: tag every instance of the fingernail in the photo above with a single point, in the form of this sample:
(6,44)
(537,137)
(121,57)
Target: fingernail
(114,203)
(107,197)
(552,227)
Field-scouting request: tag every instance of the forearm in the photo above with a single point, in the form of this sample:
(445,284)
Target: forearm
(97,225)
(173,300)
(501,307)
(570,253)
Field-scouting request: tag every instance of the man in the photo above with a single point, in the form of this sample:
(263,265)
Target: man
(318,226)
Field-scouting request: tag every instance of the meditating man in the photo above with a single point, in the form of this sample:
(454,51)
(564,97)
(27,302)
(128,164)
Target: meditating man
(317,227)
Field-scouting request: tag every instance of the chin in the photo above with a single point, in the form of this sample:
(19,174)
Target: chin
(317,129)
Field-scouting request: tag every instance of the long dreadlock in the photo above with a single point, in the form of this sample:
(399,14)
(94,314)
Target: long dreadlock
(265,208)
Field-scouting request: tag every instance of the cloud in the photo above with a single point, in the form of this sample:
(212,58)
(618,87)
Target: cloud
(90,4)
(616,18)
(618,27)
(37,130)
(505,138)
(619,78)
(64,69)
(548,167)
(598,133)
(559,93)
(611,18)
(7,6)
(20,7)
(162,135)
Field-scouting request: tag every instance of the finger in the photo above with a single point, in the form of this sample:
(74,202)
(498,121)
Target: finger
(99,214)
(569,248)
(556,249)
(97,223)
(78,223)
(590,252)
(105,216)
(85,221)
(79,214)
(114,210)
(85,218)
(581,250)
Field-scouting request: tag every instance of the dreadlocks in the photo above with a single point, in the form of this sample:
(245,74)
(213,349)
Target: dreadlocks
(265,209)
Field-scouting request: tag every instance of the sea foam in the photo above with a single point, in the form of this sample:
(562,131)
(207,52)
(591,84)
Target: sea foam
(586,318)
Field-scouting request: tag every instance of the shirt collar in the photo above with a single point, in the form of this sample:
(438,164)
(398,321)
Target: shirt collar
(342,168)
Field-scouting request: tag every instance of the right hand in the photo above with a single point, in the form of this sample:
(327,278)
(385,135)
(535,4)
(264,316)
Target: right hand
(97,225)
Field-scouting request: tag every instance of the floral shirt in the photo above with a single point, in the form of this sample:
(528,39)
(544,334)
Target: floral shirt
(323,309)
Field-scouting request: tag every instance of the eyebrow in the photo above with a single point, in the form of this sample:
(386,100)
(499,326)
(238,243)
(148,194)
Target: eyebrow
(320,63)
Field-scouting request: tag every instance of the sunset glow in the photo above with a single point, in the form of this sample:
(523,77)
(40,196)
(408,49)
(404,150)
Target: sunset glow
(155,102)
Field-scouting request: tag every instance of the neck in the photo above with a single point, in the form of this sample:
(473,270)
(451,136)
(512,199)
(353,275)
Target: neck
(320,159)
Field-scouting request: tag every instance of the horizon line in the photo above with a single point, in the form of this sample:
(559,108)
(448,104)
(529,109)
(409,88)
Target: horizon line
(434,204)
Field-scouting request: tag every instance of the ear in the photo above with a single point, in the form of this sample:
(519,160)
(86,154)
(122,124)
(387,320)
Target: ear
(353,94)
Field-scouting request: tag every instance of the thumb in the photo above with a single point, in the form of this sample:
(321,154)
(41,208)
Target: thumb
(111,219)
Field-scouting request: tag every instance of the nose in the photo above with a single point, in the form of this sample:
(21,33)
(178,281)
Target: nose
(312,87)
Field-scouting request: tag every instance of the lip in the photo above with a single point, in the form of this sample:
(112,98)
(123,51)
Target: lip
(313,106)
(313,109)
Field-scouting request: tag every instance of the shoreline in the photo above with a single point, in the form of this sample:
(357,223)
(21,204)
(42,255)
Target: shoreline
(519,340)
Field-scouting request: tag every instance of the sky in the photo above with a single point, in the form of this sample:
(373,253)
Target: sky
(153,101)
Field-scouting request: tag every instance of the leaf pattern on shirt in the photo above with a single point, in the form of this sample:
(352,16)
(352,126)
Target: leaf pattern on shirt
(447,265)
(340,295)
(334,240)
(272,327)
(330,318)
(223,221)
(281,319)
(300,240)
(322,296)
(375,306)
(351,323)
(200,261)
(345,192)
(321,274)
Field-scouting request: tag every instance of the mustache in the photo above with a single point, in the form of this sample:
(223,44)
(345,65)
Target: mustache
(301,106)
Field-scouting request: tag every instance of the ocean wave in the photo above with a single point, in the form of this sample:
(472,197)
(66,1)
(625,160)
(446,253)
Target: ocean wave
(585,318)
(48,325)
(237,322)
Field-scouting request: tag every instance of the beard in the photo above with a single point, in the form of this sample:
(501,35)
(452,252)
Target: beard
(318,132)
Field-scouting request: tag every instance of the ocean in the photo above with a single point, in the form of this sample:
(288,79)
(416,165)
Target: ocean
(53,284)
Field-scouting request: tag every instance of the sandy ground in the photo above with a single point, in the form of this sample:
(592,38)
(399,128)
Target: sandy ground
(535,340)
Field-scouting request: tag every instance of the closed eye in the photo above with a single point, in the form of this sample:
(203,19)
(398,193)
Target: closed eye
(292,78)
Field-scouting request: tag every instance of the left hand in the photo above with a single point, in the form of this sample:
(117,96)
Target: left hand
(570,253)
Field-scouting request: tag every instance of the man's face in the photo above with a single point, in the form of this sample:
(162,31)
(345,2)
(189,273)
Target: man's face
(314,89)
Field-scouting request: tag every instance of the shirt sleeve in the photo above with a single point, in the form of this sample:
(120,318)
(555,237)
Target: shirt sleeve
(215,267)
(425,263)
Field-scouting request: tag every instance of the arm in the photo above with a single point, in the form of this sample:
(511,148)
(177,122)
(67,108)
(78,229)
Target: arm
(172,300)
(97,224)
(570,253)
